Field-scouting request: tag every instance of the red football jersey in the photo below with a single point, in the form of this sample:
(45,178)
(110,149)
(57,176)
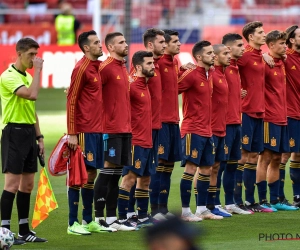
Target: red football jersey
(116,99)
(219,102)
(275,94)
(141,118)
(196,88)
(154,85)
(84,99)
(168,67)
(252,72)
(292,67)
(234,93)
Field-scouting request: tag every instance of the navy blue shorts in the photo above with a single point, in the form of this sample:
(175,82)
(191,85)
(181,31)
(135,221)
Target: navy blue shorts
(198,150)
(219,144)
(169,147)
(276,137)
(252,134)
(92,147)
(142,163)
(155,146)
(233,144)
(294,135)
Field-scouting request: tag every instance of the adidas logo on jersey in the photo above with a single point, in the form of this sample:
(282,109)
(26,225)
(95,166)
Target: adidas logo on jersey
(230,72)
(275,73)
(164,191)
(166,70)
(220,81)
(255,63)
(95,79)
(294,67)
(142,95)
(202,84)
(118,77)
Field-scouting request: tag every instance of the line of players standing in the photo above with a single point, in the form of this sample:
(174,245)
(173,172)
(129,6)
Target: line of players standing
(234,123)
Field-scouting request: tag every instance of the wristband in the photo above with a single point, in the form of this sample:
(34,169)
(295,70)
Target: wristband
(39,137)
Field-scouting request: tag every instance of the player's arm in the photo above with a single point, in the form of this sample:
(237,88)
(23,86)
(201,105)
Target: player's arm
(185,81)
(268,59)
(39,136)
(72,102)
(31,93)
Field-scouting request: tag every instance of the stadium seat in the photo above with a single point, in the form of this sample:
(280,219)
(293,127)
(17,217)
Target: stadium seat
(45,18)
(23,19)
(88,19)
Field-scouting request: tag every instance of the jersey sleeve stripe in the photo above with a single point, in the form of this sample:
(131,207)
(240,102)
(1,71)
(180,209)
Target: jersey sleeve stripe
(184,74)
(105,63)
(74,96)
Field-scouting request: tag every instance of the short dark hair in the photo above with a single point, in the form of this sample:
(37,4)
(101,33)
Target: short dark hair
(249,28)
(169,33)
(231,37)
(83,38)
(150,35)
(217,48)
(274,36)
(198,47)
(110,36)
(290,31)
(138,57)
(25,44)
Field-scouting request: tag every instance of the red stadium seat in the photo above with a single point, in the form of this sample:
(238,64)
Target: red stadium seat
(88,19)
(44,18)
(22,19)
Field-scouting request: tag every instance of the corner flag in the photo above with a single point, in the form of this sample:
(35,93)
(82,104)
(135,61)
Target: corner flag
(45,200)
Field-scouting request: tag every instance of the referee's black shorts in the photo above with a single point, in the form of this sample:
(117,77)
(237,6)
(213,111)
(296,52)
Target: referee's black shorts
(19,149)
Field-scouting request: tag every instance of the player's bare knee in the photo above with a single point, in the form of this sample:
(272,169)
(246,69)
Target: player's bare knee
(285,157)
(143,182)
(252,158)
(190,168)
(295,157)
(276,159)
(108,164)
(128,180)
(205,170)
(92,174)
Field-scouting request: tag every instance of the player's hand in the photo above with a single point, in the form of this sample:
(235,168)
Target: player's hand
(37,63)
(188,66)
(67,90)
(269,60)
(284,57)
(73,142)
(243,93)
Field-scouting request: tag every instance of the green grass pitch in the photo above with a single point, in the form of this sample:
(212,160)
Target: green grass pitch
(238,232)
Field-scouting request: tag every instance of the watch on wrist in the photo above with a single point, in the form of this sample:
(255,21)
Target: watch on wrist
(39,137)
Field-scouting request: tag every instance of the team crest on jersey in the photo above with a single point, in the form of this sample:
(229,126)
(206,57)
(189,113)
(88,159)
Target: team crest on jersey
(226,149)
(194,153)
(137,164)
(161,149)
(90,156)
(166,70)
(273,142)
(111,152)
(292,142)
(202,84)
(294,67)
(245,140)
(66,154)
